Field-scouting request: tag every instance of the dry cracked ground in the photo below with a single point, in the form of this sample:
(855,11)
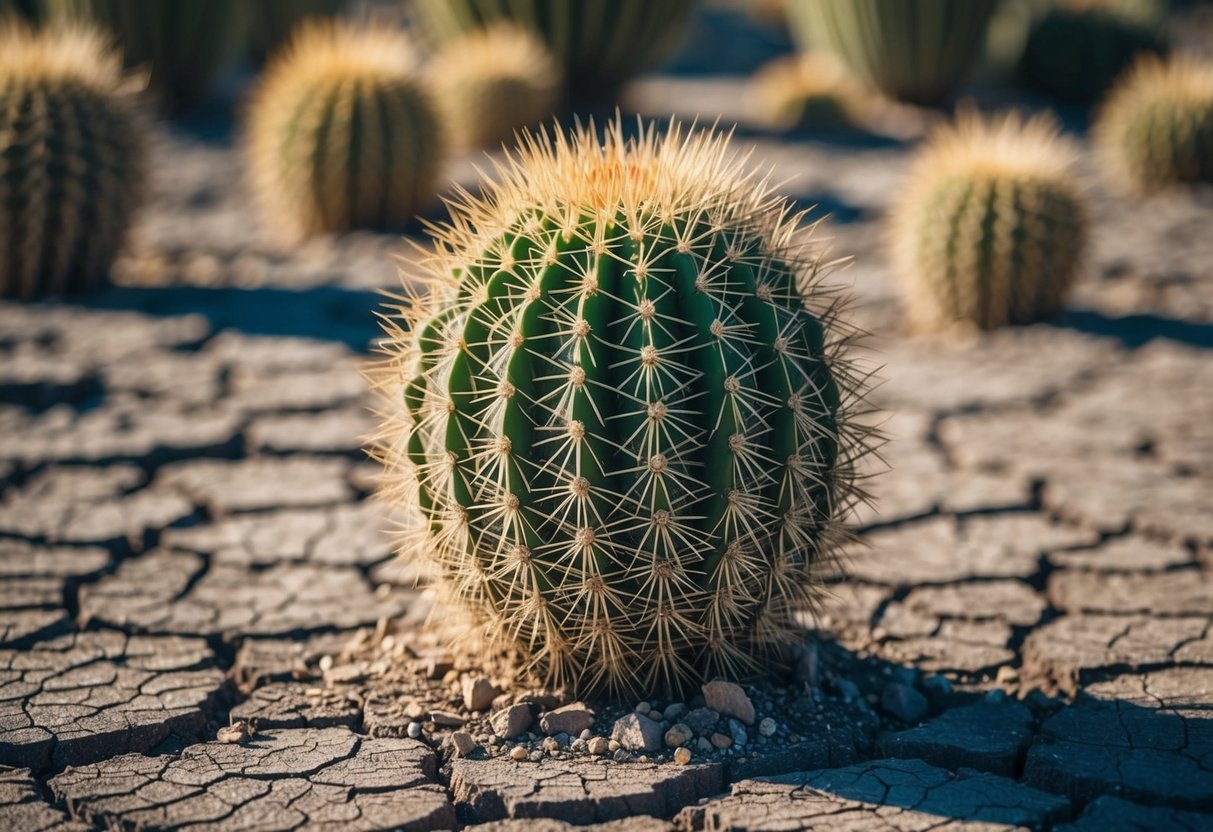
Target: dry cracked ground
(186,545)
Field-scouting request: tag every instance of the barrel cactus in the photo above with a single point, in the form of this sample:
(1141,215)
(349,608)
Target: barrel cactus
(1077,48)
(1155,128)
(492,81)
(990,228)
(341,133)
(271,22)
(187,44)
(913,50)
(808,92)
(599,44)
(71,159)
(621,410)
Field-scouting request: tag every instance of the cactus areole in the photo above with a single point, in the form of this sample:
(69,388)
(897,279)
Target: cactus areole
(619,407)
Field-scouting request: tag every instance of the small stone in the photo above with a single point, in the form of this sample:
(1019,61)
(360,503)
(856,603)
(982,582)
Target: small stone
(571,719)
(447,719)
(738,733)
(613,745)
(729,699)
(682,756)
(637,732)
(536,755)
(621,756)
(237,732)
(722,741)
(1007,676)
(463,743)
(678,735)
(579,746)
(509,722)
(414,730)
(643,708)
(326,663)
(599,746)
(675,712)
(562,739)
(478,693)
(550,745)
(586,734)
(518,753)
(767,727)
(847,689)
(903,702)
(702,721)
(937,685)
(704,745)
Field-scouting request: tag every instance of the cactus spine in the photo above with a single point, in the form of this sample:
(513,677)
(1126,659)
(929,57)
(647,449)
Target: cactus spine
(341,135)
(913,50)
(186,43)
(621,411)
(990,228)
(1155,128)
(599,44)
(71,159)
(492,81)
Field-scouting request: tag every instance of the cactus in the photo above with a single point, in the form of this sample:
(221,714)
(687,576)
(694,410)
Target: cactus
(913,50)
(186,43)
(599,44)
(990,228)
(341,133)
(492,81)
(1155,128)
(807,92)
(272,21)
(71,159)
(25,8)
(622,411)
(1077,49)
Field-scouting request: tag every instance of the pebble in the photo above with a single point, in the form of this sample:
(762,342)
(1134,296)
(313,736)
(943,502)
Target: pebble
(704,745)
(599,746)
(730,699)
(621,756)
(586,734)
(937,685)
(701,720)
(675,712)
(636,732)
(579,746)
(642,708)
(738,733)
(722,741)
(767,727)
(518,753)
(550,745)
(571,719)
(414,730)
(682,756)
(678,735)
(614,745)
(463,743)
(512,721)
(448,719)
(478,693)
(903,702)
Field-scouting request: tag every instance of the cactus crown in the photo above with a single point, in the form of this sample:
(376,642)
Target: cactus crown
(493,80)
(620,405)
(989,229)
(71,158)
(341,135)
(1156,126)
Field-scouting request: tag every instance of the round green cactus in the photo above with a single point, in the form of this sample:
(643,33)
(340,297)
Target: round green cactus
(341,133)
(622,413)
(1077,49)
(492,81)
(990,228)
(71,159)
(1155,128)
(913,50)
(599,44)
(187,44)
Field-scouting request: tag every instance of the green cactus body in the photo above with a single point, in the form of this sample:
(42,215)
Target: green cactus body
(1155,128)
(341,133)
(71,160)
(1075,51)
(990,229)
(913,50)
(187,44)
(272,21)
(599,44)
(622,414)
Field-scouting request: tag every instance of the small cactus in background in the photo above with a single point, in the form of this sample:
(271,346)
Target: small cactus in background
(341,134)
(599,44)
(1077,48)
(912,50)
(808,92)
(1155,128)
(492,81)
(71,159)
(622,412)
(186,44)
(271,22)
(990,228)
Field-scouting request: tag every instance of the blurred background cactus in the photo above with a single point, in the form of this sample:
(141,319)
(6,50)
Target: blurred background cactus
(187,44)
(808,91)
(990,228)
(271,22)
(71,159)
(341,133)
(491,81)
(1155,128)
(1077,48)
(918,51)
(28,9)
(623,410)
(599,44)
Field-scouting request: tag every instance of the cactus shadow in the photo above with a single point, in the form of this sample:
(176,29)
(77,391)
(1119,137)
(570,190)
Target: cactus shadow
(1137,329)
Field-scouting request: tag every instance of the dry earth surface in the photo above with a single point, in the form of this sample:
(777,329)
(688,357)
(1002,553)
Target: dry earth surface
(200,621)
